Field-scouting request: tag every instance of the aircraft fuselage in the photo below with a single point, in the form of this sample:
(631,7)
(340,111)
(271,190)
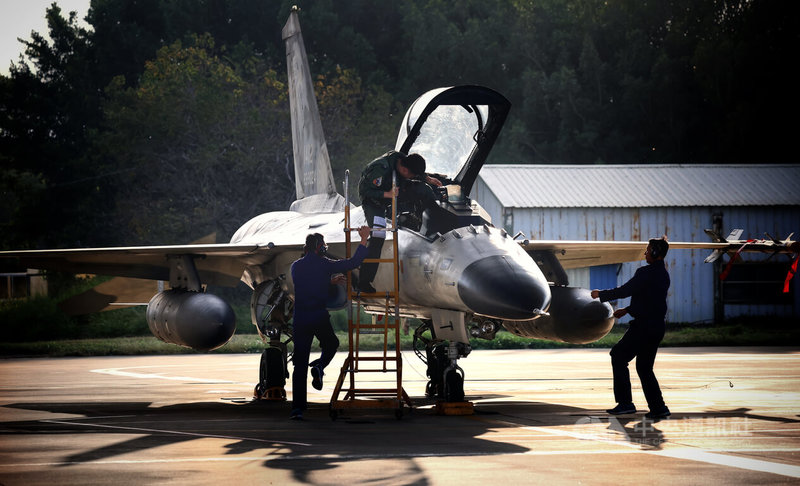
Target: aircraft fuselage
(470,270)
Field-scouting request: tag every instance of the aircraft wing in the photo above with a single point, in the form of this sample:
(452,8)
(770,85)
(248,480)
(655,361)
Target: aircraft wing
(217,264)
(117,293)
(579,254)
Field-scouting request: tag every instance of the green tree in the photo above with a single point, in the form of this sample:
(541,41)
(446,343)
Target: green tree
(590,81)
(208,144)
(49,106)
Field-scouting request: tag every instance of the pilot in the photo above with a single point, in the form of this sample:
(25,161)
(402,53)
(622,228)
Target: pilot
(375,191)
(648,292)
(312,277)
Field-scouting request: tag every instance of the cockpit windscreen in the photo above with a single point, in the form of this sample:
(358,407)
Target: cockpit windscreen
(448,136)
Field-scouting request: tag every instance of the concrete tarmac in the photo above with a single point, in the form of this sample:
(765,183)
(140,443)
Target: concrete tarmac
(539,418)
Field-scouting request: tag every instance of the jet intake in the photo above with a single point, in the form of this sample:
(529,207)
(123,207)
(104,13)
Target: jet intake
(192,319)
(574,317)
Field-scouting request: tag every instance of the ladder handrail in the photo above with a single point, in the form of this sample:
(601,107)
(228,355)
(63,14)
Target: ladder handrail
(356,327)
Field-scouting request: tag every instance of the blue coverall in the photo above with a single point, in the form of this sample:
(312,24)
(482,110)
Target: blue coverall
(312,276)
(648,292)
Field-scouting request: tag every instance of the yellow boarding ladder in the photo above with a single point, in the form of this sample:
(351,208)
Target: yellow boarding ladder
(359,397)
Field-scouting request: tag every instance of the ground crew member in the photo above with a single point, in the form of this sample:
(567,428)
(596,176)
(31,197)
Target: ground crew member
(311,275)
(648,292)
(375,191)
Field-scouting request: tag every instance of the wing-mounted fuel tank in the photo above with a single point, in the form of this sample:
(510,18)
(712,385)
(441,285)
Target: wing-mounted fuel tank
(574,318)
(193,319)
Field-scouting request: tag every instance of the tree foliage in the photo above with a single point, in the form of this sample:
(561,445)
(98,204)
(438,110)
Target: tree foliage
(166,120)
(201,141)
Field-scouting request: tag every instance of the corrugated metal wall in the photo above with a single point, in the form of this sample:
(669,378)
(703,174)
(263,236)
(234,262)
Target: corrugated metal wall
(691,296)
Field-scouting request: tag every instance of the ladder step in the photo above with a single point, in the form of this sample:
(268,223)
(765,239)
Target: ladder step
(352,403)
(376,294)
(360,370)
(388,327)
(378,358)
(378,260)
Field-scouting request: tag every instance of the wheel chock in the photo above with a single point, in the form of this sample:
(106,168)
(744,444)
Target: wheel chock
(274,394)
(454,408)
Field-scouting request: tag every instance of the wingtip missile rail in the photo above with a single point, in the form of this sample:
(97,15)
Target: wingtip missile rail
(770,245)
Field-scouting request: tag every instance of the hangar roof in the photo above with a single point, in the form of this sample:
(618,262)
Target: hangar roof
(561,186)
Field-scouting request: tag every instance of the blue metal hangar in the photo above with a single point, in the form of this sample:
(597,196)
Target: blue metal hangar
(638,202)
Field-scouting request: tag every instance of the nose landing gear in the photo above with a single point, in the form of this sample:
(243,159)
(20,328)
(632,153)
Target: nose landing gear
(446,378)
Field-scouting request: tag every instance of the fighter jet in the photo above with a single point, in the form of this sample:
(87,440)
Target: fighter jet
(461,276)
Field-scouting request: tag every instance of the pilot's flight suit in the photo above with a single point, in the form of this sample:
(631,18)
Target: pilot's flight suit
(648,292)
(312,276)
(376,179)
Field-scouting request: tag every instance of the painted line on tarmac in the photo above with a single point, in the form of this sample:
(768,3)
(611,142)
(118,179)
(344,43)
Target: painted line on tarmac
(700,455)
(410,455)
(159,376)
(174,432)
(693,454)
(317,457)
(139,461)
(727,357)
(349,457)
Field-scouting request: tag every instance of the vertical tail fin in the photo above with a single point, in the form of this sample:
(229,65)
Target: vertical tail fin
(316,189)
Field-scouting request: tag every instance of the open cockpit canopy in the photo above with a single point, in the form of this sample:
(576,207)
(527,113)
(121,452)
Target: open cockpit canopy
(454,129)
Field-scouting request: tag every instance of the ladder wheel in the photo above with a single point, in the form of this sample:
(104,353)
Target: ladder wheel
(398,414)
(334,414)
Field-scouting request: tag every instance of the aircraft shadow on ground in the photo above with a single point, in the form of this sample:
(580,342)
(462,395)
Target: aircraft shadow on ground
(319,444)
(263,429)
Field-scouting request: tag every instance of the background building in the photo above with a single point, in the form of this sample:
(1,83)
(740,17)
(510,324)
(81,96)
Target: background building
(624,202)
(16,285)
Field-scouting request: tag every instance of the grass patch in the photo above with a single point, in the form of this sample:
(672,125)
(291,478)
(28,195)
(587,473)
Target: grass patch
(735,334)
(754,332)
(37,327)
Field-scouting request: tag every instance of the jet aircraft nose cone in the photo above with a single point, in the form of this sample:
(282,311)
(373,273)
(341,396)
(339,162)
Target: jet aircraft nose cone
(498,286)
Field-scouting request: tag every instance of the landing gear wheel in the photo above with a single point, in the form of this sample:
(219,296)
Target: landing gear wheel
(272,375)
(272,372)
(430,389)
(454,386)
(436,354)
